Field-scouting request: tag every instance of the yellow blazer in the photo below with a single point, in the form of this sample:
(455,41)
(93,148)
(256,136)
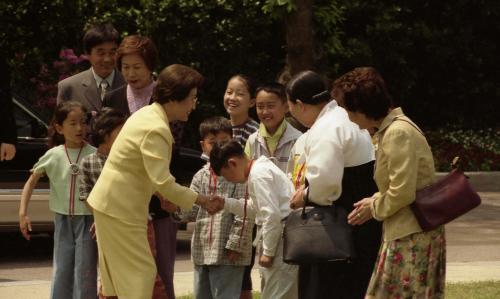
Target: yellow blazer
(137,166)
(404,164)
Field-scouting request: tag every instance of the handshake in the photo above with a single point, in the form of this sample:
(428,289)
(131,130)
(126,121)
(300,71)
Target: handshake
(212,204)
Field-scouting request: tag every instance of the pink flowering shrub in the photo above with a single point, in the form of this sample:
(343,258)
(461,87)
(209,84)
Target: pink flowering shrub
(45,81)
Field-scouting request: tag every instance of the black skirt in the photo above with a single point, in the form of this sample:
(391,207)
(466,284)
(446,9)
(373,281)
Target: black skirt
(347,280)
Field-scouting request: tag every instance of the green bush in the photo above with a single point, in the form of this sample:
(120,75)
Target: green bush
(479,150)
(439,58)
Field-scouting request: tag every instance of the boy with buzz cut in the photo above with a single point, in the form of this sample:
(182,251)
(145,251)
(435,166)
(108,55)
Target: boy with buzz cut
(275,136)
(222,243)
(266,200)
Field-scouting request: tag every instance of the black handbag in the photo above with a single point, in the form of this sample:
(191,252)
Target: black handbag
(316,234)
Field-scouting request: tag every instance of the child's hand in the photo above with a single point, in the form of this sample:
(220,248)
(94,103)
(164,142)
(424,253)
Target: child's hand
(92,231)
(266,261)
(214,204)
(25,226)
(232,255)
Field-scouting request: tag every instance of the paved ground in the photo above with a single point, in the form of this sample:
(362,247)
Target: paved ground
(473,253)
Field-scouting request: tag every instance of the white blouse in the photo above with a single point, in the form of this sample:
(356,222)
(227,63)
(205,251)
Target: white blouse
(269,190)
(333,143)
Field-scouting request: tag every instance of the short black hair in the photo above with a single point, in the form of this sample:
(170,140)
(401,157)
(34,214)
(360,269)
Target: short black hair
(273,87)
(222,152)
(105,122)
(98,34)
(215,125)
(308,87)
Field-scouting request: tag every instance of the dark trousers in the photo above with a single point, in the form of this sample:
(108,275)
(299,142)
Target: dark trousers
(343,280)
(347,280)
(166,241)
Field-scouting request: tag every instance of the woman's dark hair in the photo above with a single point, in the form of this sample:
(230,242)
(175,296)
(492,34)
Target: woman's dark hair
(308,87)
(214,125)
(274,88)
(98,34)
(363,90)
(105,122)
(60,114)
(222,152)
(175,82)
(140,45)
(249,82)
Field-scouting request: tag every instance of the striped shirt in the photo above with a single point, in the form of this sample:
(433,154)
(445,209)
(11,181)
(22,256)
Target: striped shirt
(241,132)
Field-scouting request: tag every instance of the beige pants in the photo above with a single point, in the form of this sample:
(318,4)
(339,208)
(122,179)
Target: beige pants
(279,280)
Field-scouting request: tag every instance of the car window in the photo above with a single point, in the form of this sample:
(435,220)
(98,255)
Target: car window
(28,125)
(31,145)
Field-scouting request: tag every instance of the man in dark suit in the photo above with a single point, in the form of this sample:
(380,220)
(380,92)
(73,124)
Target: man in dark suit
(89,87)
(8,134)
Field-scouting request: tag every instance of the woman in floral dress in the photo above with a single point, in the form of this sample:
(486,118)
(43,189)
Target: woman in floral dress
(411,263)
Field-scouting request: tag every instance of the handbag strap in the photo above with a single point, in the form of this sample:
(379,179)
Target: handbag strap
(411,123)
(305,198)
(454,163)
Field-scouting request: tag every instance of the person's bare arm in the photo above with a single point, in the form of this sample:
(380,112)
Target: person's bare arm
(24,220)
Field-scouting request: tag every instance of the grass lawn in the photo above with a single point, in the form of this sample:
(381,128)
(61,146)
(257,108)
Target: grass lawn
(473,290)
(469,290)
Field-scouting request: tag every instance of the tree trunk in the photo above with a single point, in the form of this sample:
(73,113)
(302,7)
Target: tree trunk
(300,38)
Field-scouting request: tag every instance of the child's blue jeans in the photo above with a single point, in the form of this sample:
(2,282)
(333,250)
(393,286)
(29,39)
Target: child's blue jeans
(217,281)
(75,258)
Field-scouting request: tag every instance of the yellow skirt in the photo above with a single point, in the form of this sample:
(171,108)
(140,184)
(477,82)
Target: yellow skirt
(126,265)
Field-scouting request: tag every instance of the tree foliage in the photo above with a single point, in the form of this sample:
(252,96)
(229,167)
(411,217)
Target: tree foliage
(439,58)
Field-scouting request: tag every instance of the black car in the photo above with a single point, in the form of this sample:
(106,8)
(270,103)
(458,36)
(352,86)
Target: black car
(31,145)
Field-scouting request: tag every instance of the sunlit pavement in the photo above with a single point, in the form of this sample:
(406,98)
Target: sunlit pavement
(473,254)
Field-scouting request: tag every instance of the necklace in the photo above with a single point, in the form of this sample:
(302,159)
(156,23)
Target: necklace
(73,166)
(212,179)
(74,170)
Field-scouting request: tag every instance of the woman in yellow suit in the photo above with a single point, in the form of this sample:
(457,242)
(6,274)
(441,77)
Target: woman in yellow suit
(137,167)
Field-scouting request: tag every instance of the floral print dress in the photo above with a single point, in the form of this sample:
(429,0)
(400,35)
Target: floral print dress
(412,267)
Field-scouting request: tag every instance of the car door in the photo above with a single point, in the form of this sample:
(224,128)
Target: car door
(31,145)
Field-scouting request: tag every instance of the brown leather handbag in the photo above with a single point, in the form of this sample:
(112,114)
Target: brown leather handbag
(445,200)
